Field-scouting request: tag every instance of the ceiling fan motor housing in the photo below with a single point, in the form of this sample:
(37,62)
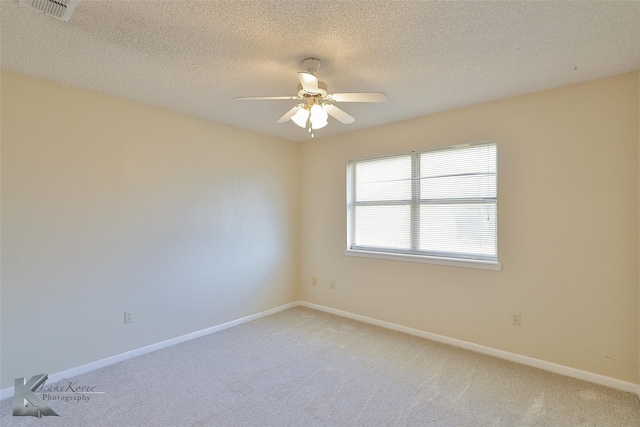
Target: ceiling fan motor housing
(322,90)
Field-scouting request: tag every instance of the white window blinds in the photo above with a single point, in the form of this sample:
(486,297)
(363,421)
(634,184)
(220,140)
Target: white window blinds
(439,203)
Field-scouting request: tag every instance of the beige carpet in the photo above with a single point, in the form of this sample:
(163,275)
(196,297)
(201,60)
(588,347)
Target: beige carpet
(302,367)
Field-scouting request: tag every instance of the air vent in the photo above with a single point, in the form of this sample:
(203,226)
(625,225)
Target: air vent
(61,9)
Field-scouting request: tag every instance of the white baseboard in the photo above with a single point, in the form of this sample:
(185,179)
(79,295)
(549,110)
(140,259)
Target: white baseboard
(8,392)
(525,360)
(513,357)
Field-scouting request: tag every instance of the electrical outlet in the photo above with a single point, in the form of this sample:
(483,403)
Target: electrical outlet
(515,319)
(128,316)
(333,284)
(314,281)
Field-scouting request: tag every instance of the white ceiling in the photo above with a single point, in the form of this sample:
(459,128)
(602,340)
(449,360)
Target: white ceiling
(196,57)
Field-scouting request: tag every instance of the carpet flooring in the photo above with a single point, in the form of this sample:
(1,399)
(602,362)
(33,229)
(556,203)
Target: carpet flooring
(302,367)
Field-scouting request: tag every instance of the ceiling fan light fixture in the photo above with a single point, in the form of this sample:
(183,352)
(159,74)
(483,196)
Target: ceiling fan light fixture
(317,104)
(300,118)
(318,113)
(318,117)
(318,125)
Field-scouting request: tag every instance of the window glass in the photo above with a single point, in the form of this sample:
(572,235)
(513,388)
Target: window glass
(441,203)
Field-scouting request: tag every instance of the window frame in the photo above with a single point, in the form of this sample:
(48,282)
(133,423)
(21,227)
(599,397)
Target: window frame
(414,254)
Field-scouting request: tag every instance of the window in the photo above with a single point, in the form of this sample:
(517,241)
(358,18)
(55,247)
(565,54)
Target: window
(434,206)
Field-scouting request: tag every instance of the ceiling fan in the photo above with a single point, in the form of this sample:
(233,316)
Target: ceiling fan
(317,104)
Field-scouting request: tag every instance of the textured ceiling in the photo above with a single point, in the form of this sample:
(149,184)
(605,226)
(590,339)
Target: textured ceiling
(196,57)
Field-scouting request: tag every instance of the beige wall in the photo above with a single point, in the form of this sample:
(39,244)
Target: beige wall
(110,206)
(568,230)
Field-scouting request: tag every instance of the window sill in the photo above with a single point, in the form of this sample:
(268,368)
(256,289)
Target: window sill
(451,262)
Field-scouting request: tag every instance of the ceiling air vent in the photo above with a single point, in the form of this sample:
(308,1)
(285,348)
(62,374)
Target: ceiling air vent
(61,9)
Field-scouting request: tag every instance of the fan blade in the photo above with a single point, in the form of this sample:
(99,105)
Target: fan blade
(338,114)
(359,97)
(265,98)
(289,114)
(308,81)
